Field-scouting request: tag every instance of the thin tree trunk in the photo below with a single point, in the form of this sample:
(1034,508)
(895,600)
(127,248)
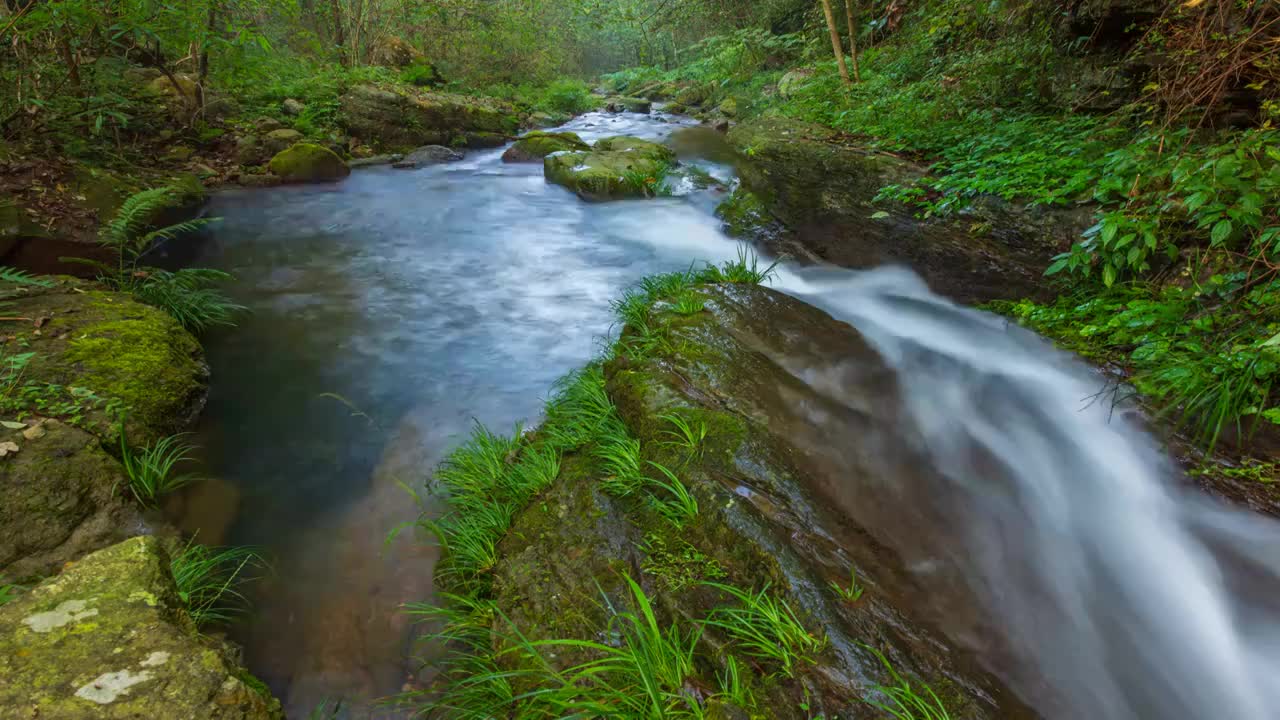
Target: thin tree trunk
(339,38)
(835,43)
(853,38)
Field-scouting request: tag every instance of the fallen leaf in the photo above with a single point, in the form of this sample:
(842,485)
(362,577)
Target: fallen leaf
(13,425)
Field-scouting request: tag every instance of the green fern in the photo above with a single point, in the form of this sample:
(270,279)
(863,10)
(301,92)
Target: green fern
(22,277)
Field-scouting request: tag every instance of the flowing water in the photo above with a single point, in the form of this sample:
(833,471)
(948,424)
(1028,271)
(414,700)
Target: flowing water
(392,311)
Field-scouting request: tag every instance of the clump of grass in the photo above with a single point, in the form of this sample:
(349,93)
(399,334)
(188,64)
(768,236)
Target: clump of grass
(688,303)
(209,580)
(619,455)
(734,683)
(152,472)
(188,295)
(850,593)
(679,506)
(765,627)
(686,434)
(745,270)
(905,702)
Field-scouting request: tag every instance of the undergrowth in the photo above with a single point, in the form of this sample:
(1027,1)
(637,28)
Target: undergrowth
(209,580)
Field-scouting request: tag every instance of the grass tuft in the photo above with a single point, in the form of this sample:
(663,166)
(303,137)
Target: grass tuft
(765,627)
(904,701)
(209,580)
(152,472)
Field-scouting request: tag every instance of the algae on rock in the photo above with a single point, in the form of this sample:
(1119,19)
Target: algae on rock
(617,167)
(532,147)
(110,638)
(402,119)
(308,163)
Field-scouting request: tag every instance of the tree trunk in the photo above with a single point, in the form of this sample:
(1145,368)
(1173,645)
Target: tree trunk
(69,59)
(853,38)
(339,38)
(835,43)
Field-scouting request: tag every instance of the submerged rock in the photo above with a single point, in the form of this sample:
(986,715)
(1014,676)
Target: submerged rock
(534,146)
(308,163)
(429,155)
(403,119)
(617,167)
(110,638)
(750,369)
(62,499)
(823,187)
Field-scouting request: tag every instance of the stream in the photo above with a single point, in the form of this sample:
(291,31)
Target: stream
(394,310)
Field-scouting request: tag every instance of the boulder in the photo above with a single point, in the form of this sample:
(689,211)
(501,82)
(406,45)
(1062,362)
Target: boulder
(63,499)
(308,163)
(618,167)
(404,119)
(728,108)
(534,146)
(823,187)
(426,156)
(694,95)
(375,160)
(267,124)
(393,51)
(628,104)
(771,477)
(546,120)
(109,638)
(292,107)
(280,140)
(95,353)
(250,150)
(792,81)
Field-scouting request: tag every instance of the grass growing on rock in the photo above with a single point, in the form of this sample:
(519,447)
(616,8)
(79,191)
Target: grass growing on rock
(209,579)
(152,472)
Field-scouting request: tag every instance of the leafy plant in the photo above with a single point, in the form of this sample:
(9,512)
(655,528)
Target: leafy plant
(744,270)
(152,473)
(685,433)
(766,627)
(9,593)
(187,295)
(208,580)
(850,593)
(903,701)
(679,506)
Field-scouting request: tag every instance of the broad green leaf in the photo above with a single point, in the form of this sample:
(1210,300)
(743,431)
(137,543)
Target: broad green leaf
(1221,231)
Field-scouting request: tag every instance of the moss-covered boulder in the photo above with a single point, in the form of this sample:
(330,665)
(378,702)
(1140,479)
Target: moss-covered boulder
(308,163)
(823,186)
(695,95)
(95,353)
(618,167)
(534,146)
(793,81)
(279,140)
(62,499)
(403,119)
(628,104)
(109,638)
(778,478)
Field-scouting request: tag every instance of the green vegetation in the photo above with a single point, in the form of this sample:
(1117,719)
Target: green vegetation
(186,294)
(903,701)
(1175,280)
(852,592)
(9,592)
(152,472)
(765,627)
(208,580)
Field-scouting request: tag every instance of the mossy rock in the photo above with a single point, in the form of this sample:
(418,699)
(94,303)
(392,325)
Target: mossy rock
(793,81)
(644,148)
(399,118)
(744,368)
(63,498)
(695,95)
(744,215)
(308,163)
(605,175)
(728,108)
(109,638)
(277,141)
(95,353)
(534,146)
(628,104)
(824,187)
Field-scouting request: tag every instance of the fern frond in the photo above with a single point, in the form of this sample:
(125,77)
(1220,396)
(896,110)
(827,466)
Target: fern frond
(22,277)
(168,233)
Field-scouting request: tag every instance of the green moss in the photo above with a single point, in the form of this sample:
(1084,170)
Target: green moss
(145,360)
(678,565)
(743,213)
(537,145)
(306,162)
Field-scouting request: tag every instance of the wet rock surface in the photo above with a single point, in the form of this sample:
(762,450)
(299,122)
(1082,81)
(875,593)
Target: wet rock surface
(109,638)
(822,187)
(616,167)
(751,368)
(402,119)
